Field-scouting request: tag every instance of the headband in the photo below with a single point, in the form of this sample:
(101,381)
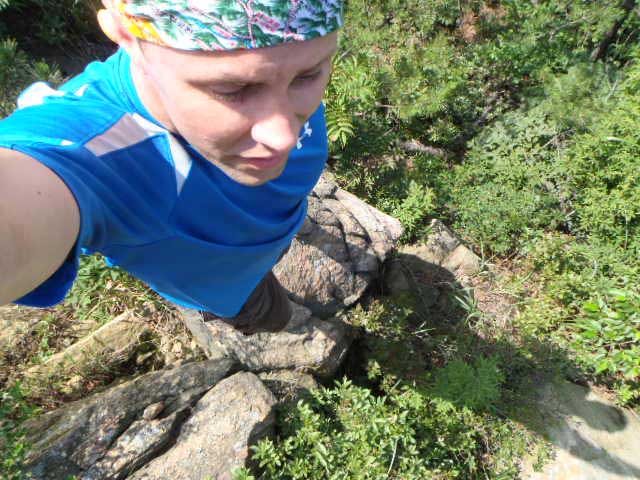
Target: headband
(228,24)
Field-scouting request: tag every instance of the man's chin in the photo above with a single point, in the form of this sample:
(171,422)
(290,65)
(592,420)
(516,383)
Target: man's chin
(253,177)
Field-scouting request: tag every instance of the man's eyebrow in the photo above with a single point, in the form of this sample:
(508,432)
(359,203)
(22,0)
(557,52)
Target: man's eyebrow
(234,78)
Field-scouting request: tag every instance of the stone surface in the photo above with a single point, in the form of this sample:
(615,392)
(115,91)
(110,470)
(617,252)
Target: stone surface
(307,343)
(135,447)
(114,342)
(230,418)
(105,435)
(592,438)
(337,252)
(317,270)
(288,384)
(383,230)
(462,262)
(440,256)
(440,243)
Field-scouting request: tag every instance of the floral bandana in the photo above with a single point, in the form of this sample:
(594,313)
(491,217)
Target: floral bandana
(228,24)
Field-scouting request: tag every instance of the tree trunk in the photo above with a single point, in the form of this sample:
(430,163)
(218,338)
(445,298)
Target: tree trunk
(600,52)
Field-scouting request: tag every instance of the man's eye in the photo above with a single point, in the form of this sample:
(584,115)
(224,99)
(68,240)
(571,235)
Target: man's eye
(229,96)
(308,78)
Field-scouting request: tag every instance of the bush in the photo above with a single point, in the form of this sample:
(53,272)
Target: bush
(587,301)
(14,411)
(602,172)
(347,432)
(607,334)
(57,23)
(437,73)
(516,182)
(407,420)
(473,386)
(17,71)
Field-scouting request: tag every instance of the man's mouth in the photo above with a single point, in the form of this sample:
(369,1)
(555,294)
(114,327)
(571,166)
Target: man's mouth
(264,163)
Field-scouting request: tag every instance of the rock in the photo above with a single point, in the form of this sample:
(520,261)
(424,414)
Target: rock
(86,437)
(326,186)
(442,255)
(593,439)
(462,262)
(347,221)
(398,276)
(113,343)
(318,273)
(231,417)
(173,342)
(135,447)
(383,230)
(337,252)
(441,241)
(306,343)
(288,384)
(153,410)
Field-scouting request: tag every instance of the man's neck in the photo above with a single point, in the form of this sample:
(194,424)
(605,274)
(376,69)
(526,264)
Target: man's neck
(149,98)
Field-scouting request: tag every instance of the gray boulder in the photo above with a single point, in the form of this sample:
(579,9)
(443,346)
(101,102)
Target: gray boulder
(441,255)
(231,417)
(288,385)
(307,343)
(338,251)
(109,434)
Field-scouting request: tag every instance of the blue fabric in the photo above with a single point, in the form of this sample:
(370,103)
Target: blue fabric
(206,246)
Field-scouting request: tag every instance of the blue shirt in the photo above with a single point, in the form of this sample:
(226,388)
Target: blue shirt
(149,201)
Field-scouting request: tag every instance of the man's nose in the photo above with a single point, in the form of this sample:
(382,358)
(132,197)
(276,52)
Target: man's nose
(277,128)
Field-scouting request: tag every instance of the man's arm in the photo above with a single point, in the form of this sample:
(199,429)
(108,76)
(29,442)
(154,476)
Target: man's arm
(39,224)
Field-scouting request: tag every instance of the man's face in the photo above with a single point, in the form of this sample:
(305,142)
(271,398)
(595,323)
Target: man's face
(242,110)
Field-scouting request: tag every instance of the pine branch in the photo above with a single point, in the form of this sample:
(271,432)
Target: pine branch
(601,52)
(413,146)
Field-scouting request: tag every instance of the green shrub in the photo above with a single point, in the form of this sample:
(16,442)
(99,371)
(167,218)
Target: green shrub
(586,301)
(347,432)
(516,182)
(14,411)
(422,423)
(53,23)
(436,73)
(474,386)
(415,208)
(398,76)
(602,173)
(607,334)
(572,272)
(502,194)
(101,292)
(17,71)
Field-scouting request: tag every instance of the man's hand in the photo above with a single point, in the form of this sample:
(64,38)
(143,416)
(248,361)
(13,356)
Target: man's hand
(39,224)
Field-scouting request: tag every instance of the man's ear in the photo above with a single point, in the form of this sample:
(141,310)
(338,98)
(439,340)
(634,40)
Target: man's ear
(117,33)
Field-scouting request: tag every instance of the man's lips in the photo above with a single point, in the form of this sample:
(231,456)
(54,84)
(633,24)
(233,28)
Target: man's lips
(263,163)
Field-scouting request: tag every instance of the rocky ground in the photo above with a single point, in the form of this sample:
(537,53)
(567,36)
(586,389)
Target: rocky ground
(216,392)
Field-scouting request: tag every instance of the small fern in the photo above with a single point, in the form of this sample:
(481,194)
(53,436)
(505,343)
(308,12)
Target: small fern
(474,386)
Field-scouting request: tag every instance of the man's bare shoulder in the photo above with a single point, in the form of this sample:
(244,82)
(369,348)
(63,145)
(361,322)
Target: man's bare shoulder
(39,223)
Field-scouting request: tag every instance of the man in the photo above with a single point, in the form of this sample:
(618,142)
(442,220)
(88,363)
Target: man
(185,158)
